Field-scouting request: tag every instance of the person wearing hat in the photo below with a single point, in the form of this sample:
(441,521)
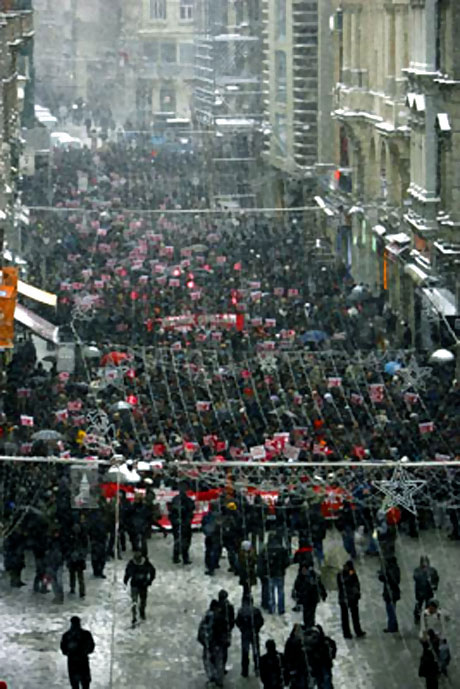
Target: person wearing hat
(77,644)
(247,561)
(141,573)
(231,534)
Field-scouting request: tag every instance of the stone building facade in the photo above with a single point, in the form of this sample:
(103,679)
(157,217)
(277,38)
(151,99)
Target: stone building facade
(157,58)
(395,205)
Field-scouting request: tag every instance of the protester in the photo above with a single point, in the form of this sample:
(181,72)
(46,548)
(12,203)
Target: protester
(77,644)
(278,562)
(273,673)
(390,576)
(227,612)
(249,621)
(181,515)
(309,590)
(349,590)
(426,580)
(212,636)
(141,573)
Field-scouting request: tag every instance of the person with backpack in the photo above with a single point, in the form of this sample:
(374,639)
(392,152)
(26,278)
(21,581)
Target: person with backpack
(273,672)
(141,573)
(390,576)
(309,589)
(181,510)
(426,579)
(249,621)
(349,590)
(77,644)
(296,659)
(278,562)
(212,636)
(321,652)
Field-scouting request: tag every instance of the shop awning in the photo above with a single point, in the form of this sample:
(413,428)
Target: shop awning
(416,274)
(37,294)
(38,325)
(379,230)
(442,300)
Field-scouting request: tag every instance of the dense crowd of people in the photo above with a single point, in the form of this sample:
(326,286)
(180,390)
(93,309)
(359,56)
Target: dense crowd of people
(208,338)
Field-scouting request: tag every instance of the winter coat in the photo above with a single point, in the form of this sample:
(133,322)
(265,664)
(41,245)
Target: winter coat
(249,621)
(141,574)
(273,670)
(77,549)
(309,588)
(391,578)
(228,616)
(181,511)
(348,587)
(77,645)
(426,582)
(429,662)
(321,655)
(211,631)
(278,560)
(295,658)
(247,560)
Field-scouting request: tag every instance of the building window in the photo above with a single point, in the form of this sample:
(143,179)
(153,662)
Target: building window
(167,99)
(280,134)
(280,19)
(157,9)
(186,53)
(168,52)
(186,10)
(280,76)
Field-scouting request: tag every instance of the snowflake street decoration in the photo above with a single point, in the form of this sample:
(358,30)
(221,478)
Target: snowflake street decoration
(100,432)
(401,488)
(414,376)
(268,364)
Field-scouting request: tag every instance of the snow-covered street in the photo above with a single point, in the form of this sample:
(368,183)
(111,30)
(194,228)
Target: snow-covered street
(163,651)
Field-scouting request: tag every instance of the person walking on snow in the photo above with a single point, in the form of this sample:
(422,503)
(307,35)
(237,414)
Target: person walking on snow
(77,644)
(141,573)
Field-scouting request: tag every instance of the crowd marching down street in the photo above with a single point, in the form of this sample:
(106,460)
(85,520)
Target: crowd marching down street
(228,378)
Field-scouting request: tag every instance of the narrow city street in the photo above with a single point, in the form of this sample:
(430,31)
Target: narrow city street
(164,652)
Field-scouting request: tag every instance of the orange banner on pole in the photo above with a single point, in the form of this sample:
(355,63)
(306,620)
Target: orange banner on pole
(8,298)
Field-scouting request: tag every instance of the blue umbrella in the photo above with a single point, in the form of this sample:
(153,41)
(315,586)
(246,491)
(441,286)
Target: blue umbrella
(392,367)
(314,336)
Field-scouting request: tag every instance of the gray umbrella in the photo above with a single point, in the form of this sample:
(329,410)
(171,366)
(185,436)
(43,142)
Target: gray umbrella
(91,352)
(121,406)
(47,434)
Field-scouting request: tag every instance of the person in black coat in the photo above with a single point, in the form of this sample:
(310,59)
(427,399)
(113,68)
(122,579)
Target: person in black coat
(141,573)
(349,590)
(426,579)
(321,651)
(296,659)
(273,672)
(249,621)
(211,526)
(97,533)
(76,558)
(227,612)
(429,667)
(181,510)
(77,644)
(390,576)
(308,590)
(278,562)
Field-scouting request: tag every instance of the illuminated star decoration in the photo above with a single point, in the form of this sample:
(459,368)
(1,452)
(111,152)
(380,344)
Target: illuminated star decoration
(401,489)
